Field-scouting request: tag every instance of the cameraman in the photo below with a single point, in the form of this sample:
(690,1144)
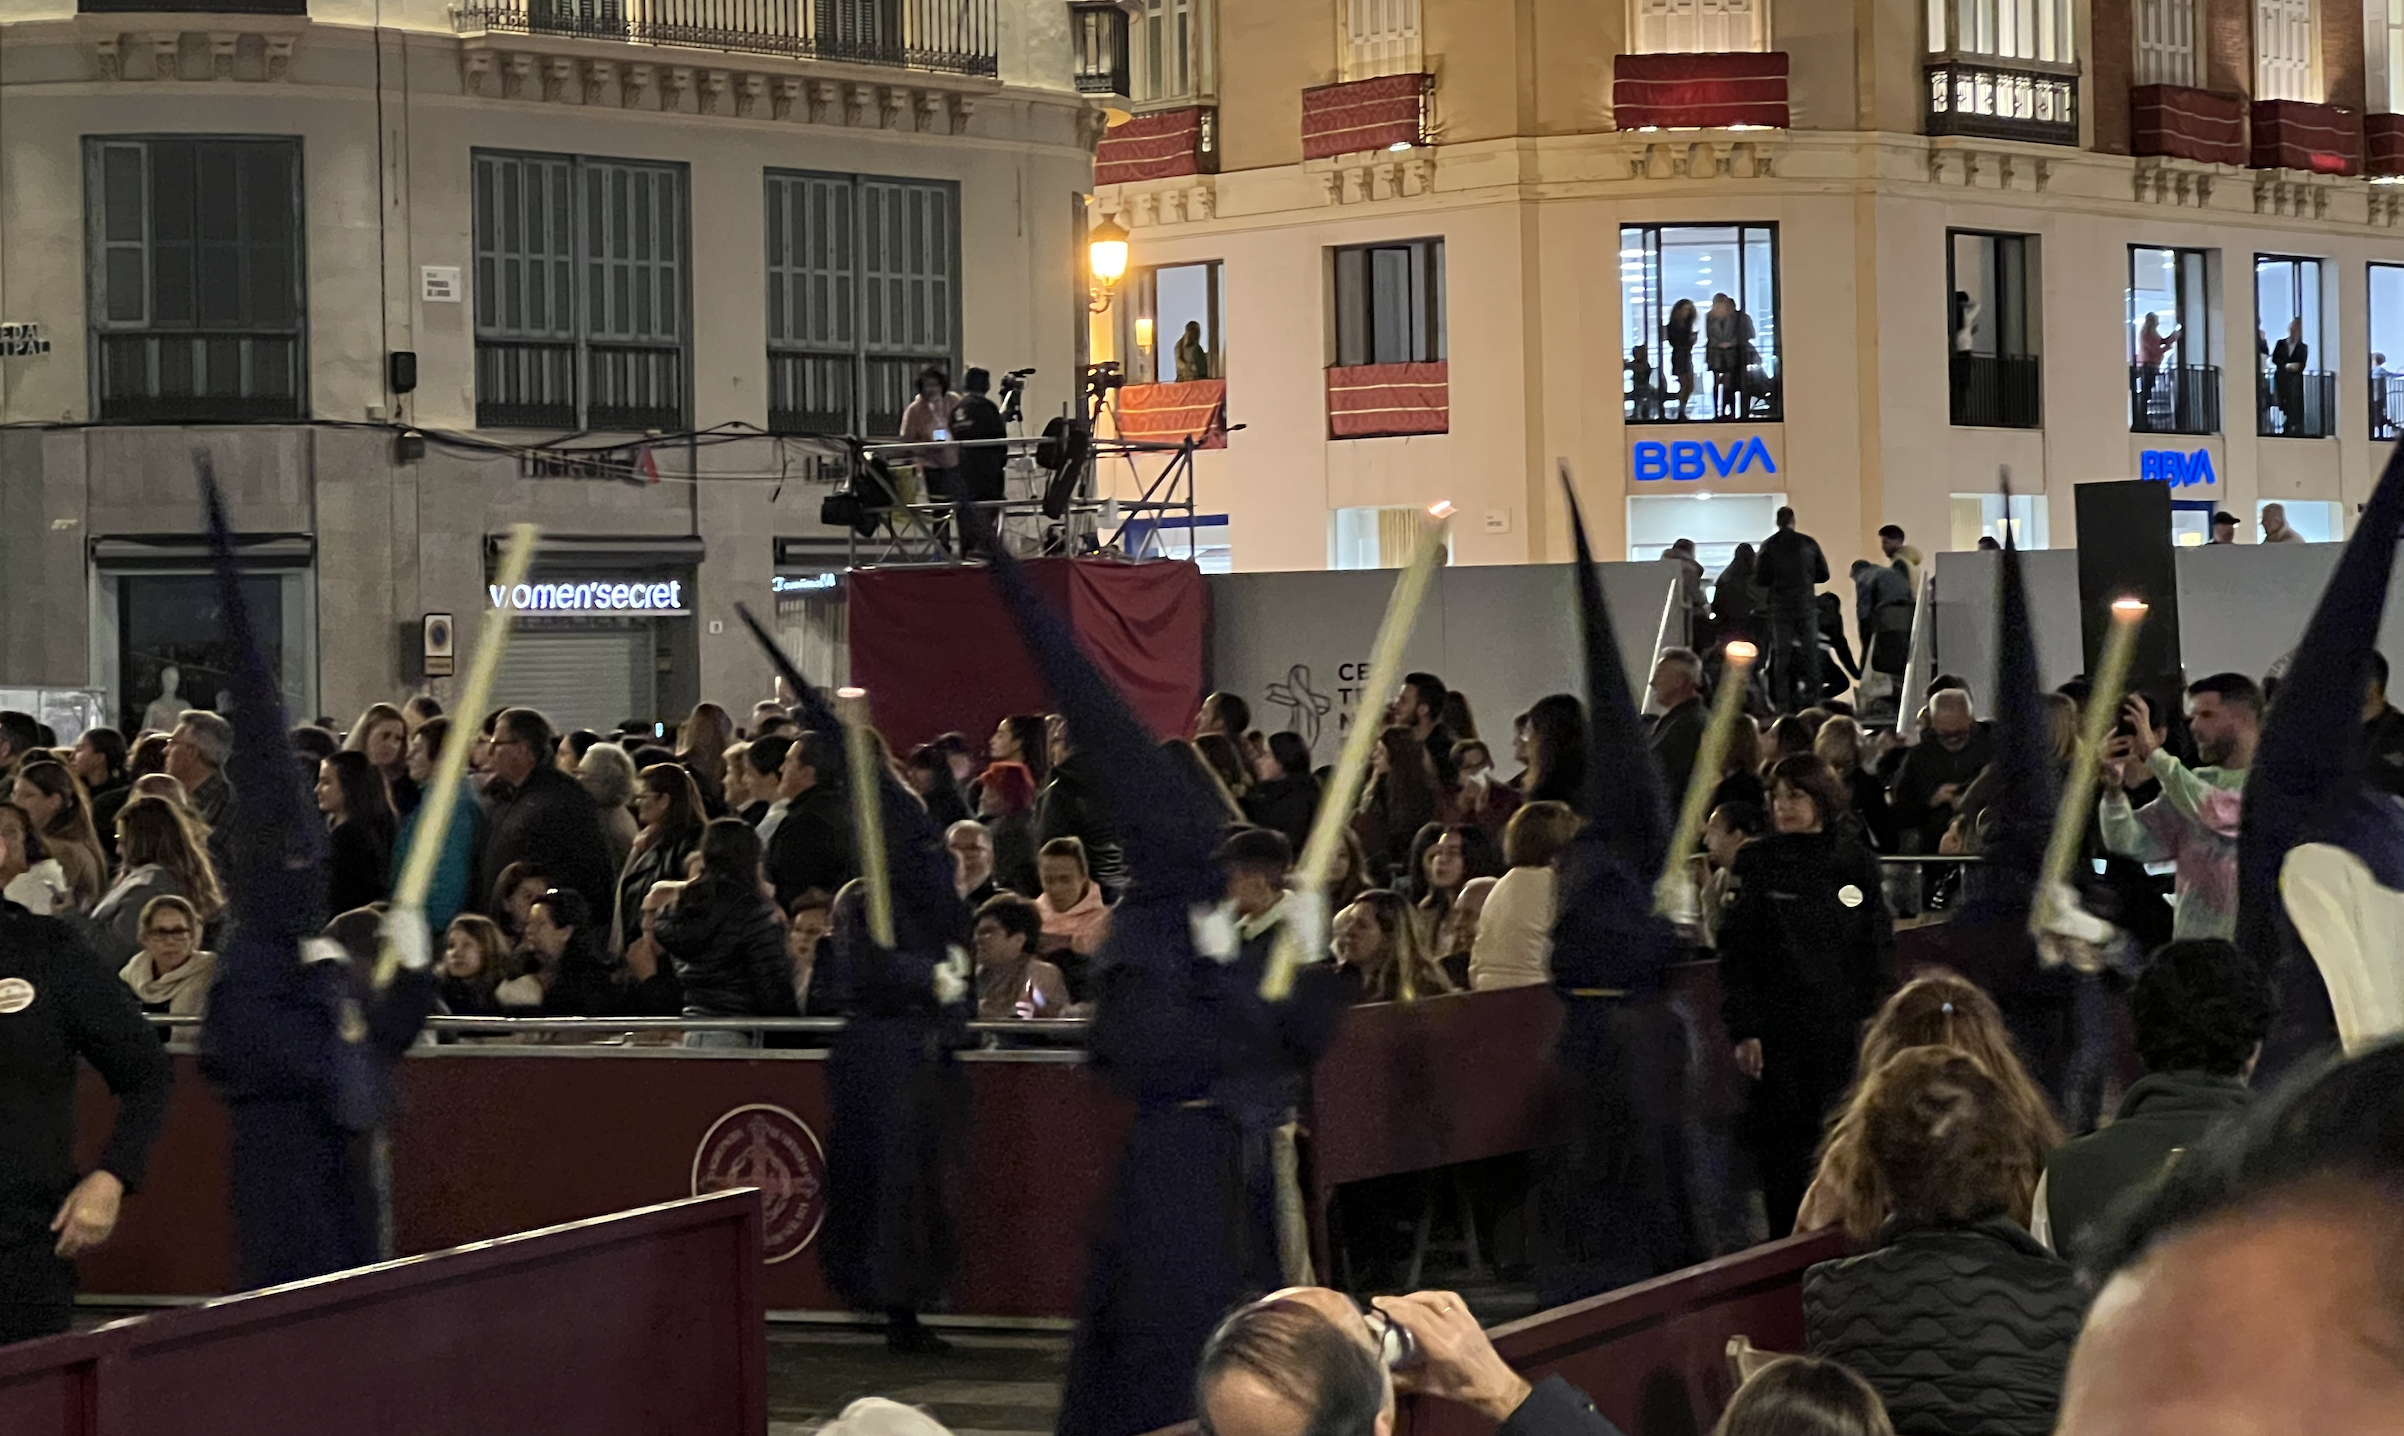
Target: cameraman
(1307,1362)
(981,468)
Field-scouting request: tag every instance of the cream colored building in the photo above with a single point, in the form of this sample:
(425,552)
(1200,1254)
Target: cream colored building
(307,233)
(2037,156)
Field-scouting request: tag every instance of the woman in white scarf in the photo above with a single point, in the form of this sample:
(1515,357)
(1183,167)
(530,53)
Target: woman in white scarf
(170,975)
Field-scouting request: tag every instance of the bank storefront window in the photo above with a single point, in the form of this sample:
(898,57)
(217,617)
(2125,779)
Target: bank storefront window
(1716,522)
(1699,323)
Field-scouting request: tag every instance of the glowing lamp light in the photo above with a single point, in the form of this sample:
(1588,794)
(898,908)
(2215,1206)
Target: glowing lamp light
(1143,333)
(1440,510)
(2125,608)
(1105,259)
(851,693)
(1742,651)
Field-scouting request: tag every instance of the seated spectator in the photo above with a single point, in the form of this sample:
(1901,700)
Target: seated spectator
(1935,1009)
(160,853)
(1456,934)
(1012,982)
(563,941)
(54,799)
(726,940)
(1306,1361)
(1205,780)
(1006,806)
(170,975)
(929,774)
(1515,935)
(1075,919)
(2201,1010)
(1804,1396)
(1285,794)
(1958,1318)
(1740,770)
(1841,746)
(608,774)
(653,989)
(1730,827)
(1382,949)
(474,965)
(1225,755)
(763,758)
(2253,1291)
(1443,859)
(29,876)
(813,918)
(1403,795)
(1479,795)
(668,807)
(514,894)
(971,848)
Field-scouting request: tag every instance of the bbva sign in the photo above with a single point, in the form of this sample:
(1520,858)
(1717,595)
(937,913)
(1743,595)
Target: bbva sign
(1687,459)
(2179,470)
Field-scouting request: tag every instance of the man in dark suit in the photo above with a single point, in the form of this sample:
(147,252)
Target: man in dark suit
(812,847)
(535,813)
(1677,734)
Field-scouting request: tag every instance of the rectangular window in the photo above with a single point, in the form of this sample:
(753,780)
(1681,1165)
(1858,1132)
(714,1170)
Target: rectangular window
(2286,51)
(2038,30)
(863,293)
(1381,37)
(580,291)
(2390,35)
(1671,27)
(1376,537)
(196,287)
(1714,523)
(2387,350)
(1390,303)
(2174,383)
(1991,325)
(2295,395)
(1169,51)
(1699,298)
(1977,516)
(2166,43)
(1173,324)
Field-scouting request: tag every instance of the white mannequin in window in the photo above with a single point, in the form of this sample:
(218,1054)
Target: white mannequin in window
(165,710)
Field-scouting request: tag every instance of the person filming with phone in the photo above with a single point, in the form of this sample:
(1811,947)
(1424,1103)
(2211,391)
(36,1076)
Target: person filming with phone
(2194,822)
(1307,1361)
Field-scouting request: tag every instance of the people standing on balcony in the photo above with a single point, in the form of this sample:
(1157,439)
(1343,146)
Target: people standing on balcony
(1679,334)
(1965,312)
(1193,356)
(1644,398)
(1791,569)
(2288,360)
(1728,331)
(2152,347)
(2275,528)
(2381,378)
(929,420)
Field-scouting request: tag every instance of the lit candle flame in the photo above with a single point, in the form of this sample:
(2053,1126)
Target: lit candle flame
(851,693)
(2128,607)
(1743,652)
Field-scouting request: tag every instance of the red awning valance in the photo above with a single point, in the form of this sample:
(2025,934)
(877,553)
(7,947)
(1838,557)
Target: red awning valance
(1378,400)
(1173,413)
(1365,115)
(2187,124)
(1157,146)
(1699,91)
(2294,135)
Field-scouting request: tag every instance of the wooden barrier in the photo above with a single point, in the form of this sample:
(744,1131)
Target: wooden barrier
(624,1325)
(1654,1356)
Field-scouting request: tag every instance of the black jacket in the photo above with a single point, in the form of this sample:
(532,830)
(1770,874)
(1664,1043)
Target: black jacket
(358,867)
(662,862)
(1556,1408)
(58,1002)
(1072,807)
(1964,1330)
(549,819)
(1928,766)
(108,800)
(981,470)
(1014,852)
(812,847)
(1676,737)
(1285,805)
(1790,565)
(2383,758)
(729,949)
(2163,1113)
(1803,940)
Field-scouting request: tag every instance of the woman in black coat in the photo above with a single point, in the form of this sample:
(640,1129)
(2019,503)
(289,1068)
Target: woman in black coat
(668,808)
(726,940)
(1286,794)
(1803,953)
(360,826)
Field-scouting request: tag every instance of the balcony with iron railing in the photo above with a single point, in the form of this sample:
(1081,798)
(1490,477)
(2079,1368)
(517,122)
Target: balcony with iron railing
(822,391)
(1098,44)
(2387,404)
(948,36)
(192,7)
(2003,100)
(559,384)
(186,377)
(2295,404)
(2174,399)
(1997,391)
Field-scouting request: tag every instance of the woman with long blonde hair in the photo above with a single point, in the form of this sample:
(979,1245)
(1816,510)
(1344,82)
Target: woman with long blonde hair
(1385,949)
(1936,1008)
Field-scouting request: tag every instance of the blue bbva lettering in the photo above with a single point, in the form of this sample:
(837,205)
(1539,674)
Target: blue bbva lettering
(1684,460)
(2178,470)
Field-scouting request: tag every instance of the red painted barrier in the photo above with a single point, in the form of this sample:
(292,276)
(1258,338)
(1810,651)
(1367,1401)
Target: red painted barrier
(641,1322)
(1654,1356)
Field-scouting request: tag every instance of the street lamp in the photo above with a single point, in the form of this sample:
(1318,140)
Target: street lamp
(1106,259)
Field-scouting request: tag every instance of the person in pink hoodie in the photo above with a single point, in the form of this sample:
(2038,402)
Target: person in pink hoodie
(1076,917)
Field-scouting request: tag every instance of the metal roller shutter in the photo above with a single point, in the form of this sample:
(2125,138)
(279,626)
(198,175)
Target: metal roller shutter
(579,678)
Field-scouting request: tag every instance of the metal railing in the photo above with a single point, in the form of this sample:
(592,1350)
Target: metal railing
(2296,406)
(525,384)
(952,36)
(811,393)
(183,377)
(1997,391)
(630,388)
(2174,399)
(1995,100)
(2387,406)
(533,384)
(1098,45)
(193,7)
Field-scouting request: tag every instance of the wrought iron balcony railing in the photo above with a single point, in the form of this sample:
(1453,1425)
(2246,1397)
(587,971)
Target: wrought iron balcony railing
(193,7)
(2003,100)
(183,377)
(2174,399)
(1098,40)
(2295,405)
(1998,391)
(953,36)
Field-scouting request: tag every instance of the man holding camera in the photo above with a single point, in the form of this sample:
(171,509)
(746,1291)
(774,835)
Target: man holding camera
(1306,1360)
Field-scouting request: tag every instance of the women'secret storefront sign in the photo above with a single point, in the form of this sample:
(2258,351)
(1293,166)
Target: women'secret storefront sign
(659,600)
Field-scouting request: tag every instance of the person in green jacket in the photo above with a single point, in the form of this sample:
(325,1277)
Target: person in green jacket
(2201,1010)
(448,895)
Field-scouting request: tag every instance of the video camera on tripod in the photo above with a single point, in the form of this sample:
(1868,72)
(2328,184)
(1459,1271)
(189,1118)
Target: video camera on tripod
(1014,394)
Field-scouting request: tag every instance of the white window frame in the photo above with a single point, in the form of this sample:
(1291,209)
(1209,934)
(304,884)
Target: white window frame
(2166,53)
(2287,50)
(1689,27)
(1380,37)
(2042,31)
(1148,20)
(2385,53)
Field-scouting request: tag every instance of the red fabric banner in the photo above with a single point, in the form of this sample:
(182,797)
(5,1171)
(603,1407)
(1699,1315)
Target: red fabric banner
(1365,115)
(2293,135)
(2187,124)
(2383,144)
(1157,146)
(1699,91)
(937,653)
(1375,400)
(1172,413)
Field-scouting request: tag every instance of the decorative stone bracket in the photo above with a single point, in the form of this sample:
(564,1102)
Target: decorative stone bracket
(1714,158)
(1188,199)
(150,56)
(2182,183)
(507,67)
(2291,193)
(1970,168)
(1369,178)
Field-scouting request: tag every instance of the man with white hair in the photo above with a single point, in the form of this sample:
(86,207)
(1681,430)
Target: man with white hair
(1677,735)
(196,755)
(971,846)
(1953,749)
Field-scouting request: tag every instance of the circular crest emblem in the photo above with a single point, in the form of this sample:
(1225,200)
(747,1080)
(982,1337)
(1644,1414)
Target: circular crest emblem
(1849,895)
(771,1149)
